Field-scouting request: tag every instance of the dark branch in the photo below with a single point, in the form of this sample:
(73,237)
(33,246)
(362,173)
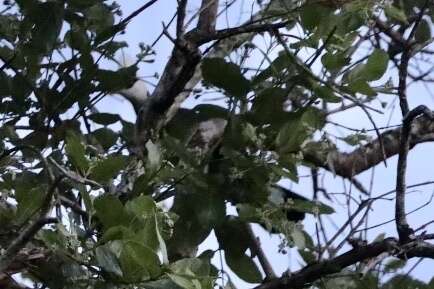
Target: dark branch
(182,5)
(19,242)
(255,246)
(314,272)
(404,230)
(229,32)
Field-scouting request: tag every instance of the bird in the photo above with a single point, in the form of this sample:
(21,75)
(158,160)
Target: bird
(279,196)
(138,93)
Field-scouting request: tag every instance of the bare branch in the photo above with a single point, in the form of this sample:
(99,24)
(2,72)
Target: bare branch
(255,246)
(404,230)
(314,272)
(229,32)
(207,16)
(136,12)
(367,156)
(182,5)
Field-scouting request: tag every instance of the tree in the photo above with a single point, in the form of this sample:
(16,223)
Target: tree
(90,200)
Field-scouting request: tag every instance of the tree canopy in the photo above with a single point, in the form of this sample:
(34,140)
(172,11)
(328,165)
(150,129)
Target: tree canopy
(89,199)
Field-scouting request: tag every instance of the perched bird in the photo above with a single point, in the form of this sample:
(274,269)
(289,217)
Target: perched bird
(138,93)
(280,195)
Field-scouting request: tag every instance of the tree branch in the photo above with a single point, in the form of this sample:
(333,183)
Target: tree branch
(313,272)
(207,16)
(404,230)
(180,18)
(367,156)
(19,242)
(348,165)
(255,246)
(229,32)
(178,71)
(136,12)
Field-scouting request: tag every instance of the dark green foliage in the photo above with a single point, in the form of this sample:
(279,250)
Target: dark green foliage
(60,156)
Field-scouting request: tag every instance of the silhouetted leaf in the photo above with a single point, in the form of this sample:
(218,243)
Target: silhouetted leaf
(218,72)
(244,267)
(104,118)
(423,32)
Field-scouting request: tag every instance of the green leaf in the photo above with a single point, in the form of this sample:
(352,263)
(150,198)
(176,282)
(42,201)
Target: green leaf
(184,282)
(192,273)
(76,152)
(142,207)
(81,4)
(394,265)
(307,255)
(298,238)
(161,284)
(105,137)
(5,84)
(187,266)
(423,32)
(100,17)
(326,94)
(374,69)
(116,233)
(47,19)
(395,13)
(233,236)
(138,262)
(361,86)
(376,65)
(244,267)
(108,168)
(206,111)
(268,106)
(107,260)
(20,89)
(198,214)
(225,75)
(29,201)
(9,27)
(77,39)
(297,129)
(312,207)
(110,212)
(113,81)
(310,16)
(281,63)
(104,118)
(404,281)
(335,61)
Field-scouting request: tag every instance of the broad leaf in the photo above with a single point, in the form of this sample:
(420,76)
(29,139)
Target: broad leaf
(244,267)
(108,168)
(107,260)
(225,75)
(110,212)
(104,118)
(76,152)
